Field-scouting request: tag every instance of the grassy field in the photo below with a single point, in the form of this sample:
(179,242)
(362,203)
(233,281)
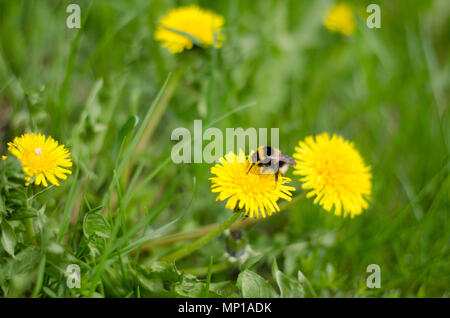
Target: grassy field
(127,205)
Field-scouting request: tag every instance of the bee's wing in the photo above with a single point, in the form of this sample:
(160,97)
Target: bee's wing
(287,159)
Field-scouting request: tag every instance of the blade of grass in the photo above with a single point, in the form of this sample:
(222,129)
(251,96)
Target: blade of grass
(68,207)
(134,142)
(140,242)
(208,276)
(184,251)
(69,69)
(193,234)
(40,276)
(109,36)
(159,110)
(131,190)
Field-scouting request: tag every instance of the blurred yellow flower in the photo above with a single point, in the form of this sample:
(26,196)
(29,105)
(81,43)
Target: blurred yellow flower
(340,19)
(335,173)
(254,193)
(181,27)
(42,158)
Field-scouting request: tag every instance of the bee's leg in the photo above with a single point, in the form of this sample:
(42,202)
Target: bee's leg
(276,178)
(251,166)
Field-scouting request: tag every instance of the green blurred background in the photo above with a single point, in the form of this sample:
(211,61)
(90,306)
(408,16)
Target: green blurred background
(385,89)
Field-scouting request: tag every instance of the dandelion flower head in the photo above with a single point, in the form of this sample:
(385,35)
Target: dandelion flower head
(334,172)
(42,158)
(340,19)
(254,193)
(178,28)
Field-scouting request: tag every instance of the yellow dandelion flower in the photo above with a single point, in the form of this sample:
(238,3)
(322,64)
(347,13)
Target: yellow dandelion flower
(335,173)
(42,158)
(180,27)
(254,193)
(340,19)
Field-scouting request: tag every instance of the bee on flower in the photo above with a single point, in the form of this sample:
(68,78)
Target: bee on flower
(334,172)
(183,27)
(245,188)
(42,159)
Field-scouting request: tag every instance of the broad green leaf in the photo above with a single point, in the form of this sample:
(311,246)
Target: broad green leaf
(289,287)
(154,285)
(16,197)
(189,286)
(95,224)
(305,282)
(251,261)
(23,213)
(24,262)
(8,237)
(222,289)
(164,270)
(97,230)
(252,285)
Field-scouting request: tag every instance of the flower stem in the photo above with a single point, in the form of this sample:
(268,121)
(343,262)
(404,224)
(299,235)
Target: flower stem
(179,254)
(193,234)
(29,229)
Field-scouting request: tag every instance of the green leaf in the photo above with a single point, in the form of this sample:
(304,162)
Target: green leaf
(289,287)
(25,261)
(189,286)
(95,224)
(13,169)
(154,285)
(8,238)
(16,197)
(23,213)
(2,205)
(97,230)
(251,261)
(222,289)
(305,282)
(252,285)
(165,270)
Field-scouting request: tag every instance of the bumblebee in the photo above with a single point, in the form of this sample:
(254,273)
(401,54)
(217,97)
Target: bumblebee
(271,161)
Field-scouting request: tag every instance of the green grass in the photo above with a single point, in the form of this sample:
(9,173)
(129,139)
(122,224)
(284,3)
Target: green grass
(125,205)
